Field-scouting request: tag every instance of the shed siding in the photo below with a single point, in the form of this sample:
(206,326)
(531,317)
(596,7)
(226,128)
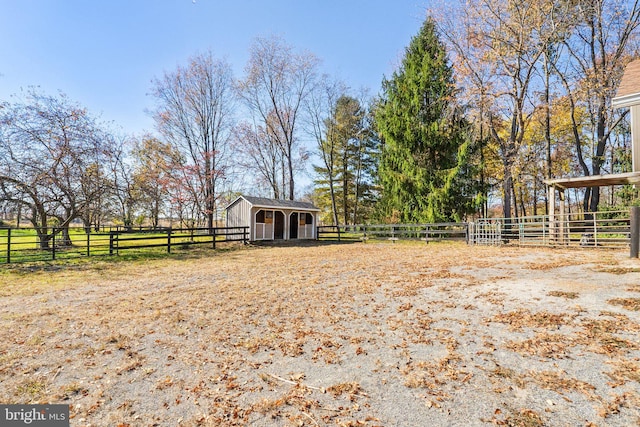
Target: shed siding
(242,213)
(238,214)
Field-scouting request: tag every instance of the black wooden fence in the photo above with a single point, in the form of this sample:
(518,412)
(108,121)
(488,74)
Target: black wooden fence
(24,244)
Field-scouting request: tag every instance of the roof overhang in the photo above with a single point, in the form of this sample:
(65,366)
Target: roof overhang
(276,207)
(626,101)
(283,206)
(595,180)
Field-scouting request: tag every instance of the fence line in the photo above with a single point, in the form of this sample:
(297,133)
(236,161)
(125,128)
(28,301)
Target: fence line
(600,229)
(603,229)
(393,232)
(24,244)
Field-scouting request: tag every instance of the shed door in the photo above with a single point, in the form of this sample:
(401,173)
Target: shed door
(278,225)
(293,225)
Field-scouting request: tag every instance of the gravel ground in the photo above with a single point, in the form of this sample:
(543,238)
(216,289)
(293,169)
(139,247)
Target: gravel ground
(353,335)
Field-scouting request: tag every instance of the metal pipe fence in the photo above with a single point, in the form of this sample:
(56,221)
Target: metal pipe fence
(597,229)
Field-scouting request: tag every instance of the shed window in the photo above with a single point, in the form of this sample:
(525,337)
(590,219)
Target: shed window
(260,217)
(309,218)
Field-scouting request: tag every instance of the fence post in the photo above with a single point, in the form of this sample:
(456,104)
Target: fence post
(245,235)
(635,231)
(214,238)
(169,240)
(8,246)
(110,242)
(53,243)
(88,243)
(338,232)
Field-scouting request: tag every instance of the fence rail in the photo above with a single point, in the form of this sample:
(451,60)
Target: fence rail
(393,232)
(24,244)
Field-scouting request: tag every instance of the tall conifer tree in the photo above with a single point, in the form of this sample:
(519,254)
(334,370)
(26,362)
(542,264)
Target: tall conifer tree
(423,167)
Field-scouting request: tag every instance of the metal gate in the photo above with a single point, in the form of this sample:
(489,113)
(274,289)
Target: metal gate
(601,229)
(485,231)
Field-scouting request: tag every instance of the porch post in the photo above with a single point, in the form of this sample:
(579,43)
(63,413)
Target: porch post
(562,215)
(552,212)
(635,231)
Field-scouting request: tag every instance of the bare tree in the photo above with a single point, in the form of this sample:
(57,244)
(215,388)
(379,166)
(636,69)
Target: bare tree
(51,156)
(261,152)
(602,42)
(321,108)
(195,115)
(277,82)
(152,175)
(121,184)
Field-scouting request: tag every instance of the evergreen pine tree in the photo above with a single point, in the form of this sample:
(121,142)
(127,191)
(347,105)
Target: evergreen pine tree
(344,184)
(423,171)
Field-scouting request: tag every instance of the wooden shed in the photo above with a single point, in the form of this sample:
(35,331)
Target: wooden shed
(271,219)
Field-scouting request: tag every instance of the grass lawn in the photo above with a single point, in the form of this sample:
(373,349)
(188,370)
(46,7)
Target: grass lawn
(362,334)
(23,244)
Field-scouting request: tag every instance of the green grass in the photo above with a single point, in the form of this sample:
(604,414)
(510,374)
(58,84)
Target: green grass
(25,245)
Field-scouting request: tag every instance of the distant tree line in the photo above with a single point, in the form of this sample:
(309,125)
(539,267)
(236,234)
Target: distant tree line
(490,98)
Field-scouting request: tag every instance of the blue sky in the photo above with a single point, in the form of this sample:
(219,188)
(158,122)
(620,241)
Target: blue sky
(104,53)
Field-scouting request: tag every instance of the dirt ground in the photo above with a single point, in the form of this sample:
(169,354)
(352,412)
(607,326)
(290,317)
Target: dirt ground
(351,335)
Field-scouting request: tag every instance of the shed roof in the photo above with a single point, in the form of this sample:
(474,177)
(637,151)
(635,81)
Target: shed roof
(263,202)
(629,90)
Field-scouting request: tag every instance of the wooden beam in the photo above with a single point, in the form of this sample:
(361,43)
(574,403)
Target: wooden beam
(635,138)
(552,212)
(595,180)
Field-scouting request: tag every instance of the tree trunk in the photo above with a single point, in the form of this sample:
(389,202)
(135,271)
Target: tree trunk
(506,190)
(523,210)
(334,207)
(66,238)
(547,107)
(599,157)
(535,196)
(506,201)
(515,200)
(283,193)
(274,181)
(345,192)
(291,182)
